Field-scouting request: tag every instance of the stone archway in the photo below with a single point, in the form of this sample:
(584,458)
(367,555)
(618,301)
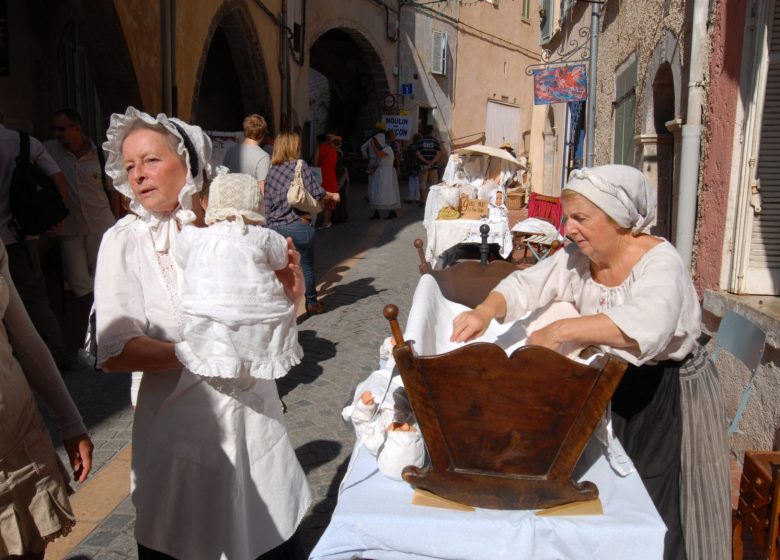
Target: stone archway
(357,82)
(232,78)
(659,142)
(112,68)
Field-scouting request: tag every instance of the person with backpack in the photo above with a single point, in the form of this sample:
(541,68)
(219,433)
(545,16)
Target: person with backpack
(22,246)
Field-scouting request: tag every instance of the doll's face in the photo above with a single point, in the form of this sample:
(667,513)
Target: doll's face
(367,398)
(400,427)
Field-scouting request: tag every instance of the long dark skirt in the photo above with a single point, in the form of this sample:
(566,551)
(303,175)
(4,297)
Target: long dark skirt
(670,418)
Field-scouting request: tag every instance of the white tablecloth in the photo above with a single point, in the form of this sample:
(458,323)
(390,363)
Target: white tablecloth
(374,518)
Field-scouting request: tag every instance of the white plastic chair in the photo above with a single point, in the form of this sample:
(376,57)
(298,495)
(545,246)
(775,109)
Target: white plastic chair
(745,341)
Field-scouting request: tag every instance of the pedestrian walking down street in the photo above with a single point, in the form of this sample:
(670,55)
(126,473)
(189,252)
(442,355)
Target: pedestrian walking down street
(197,444)
(24,261)
(341,213)
(289,221)
(429,154)
(382,181)
(412,166)
(34,505)
(248,157)
(327,158)
(93,204)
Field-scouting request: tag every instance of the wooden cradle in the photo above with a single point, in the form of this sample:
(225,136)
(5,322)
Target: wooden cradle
(501,432)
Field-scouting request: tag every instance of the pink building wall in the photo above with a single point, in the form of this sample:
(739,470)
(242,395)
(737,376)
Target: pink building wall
(725,66)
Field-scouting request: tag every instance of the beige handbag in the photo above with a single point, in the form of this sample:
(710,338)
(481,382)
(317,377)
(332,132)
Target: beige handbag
(298,197)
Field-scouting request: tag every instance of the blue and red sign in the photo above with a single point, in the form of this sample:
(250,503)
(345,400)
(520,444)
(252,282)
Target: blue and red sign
(560,85)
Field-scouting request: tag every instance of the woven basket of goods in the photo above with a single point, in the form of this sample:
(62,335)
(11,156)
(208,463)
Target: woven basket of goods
(448,213)
(515,200)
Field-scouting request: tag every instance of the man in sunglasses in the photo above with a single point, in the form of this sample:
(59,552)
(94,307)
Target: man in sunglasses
(90,200)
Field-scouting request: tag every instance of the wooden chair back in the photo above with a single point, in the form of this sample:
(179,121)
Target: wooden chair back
(466,282)
(758,511)
(503,432)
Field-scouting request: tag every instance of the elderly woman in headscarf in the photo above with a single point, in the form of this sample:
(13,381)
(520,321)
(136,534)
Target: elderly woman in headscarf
(382,180)
(635,300)
(214,474)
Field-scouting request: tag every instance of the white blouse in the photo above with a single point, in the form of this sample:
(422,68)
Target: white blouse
(238,322)
(214,473)
(657,305)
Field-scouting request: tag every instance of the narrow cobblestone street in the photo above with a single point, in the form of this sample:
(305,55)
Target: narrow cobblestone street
(362,266)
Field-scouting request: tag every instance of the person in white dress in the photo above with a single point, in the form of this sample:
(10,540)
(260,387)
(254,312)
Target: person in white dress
(214,474)
(636,300)
(382,180)
(238,322)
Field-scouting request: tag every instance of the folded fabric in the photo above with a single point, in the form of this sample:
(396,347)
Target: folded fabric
(400,450)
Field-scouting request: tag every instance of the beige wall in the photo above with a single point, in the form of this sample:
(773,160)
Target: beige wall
(490,68)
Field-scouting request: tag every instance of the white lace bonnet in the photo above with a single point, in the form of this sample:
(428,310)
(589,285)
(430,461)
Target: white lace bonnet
(622,192)
(194,147)
(235,195)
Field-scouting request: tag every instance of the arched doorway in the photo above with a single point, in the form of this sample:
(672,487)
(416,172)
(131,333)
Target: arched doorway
(663,117)
(355,87)
(232,76)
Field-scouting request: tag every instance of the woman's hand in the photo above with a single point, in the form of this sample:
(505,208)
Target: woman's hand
(79,449)
(470,325)
(291,276)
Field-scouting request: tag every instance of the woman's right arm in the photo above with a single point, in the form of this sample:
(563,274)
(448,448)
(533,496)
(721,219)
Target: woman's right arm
(122,324)
(145,354)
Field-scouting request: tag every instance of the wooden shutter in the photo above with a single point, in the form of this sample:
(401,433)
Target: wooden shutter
(439,53)
(624,109)
(765,231)
(546,22)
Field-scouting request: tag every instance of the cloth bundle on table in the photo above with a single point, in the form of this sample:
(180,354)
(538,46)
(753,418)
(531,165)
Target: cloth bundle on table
(629,528)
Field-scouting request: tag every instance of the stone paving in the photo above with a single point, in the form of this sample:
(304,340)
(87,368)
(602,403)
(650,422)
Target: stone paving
(378,266)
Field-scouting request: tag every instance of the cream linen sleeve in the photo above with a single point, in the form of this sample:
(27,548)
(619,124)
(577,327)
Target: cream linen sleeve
(119,294)
(275,249)
(553,279)
(36,361)
(660,311)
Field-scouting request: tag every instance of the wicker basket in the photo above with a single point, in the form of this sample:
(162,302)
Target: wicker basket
(515,201)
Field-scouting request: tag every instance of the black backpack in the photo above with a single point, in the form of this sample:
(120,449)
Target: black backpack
(36,204)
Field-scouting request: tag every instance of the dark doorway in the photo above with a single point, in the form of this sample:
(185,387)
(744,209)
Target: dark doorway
(356,83)
(220,106)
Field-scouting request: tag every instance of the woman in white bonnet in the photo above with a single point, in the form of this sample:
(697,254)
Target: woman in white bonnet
(214,474)
(383,191)
(635,300)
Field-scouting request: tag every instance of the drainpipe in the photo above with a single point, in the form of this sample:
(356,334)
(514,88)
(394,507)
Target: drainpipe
(691,136)
(590,123)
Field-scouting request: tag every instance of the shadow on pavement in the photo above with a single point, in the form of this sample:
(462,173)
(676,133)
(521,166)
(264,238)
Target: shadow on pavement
(315,350)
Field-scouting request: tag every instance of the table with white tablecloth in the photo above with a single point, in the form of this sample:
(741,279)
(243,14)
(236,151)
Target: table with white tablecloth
(375,518)
(444,234)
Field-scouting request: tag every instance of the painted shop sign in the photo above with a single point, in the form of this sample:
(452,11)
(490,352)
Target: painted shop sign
(402,125)
(560,85)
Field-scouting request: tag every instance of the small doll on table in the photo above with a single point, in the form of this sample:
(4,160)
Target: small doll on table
(238,324)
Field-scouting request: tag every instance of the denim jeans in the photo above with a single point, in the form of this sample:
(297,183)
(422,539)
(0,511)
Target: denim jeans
(303,236)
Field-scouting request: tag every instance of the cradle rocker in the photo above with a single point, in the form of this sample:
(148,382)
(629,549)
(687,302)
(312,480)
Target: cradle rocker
(503,432)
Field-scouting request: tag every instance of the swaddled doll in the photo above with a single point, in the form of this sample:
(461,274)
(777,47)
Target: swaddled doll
(237,321)
(385,425)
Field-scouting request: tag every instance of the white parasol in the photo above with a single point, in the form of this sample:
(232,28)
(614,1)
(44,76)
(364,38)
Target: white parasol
(479,149)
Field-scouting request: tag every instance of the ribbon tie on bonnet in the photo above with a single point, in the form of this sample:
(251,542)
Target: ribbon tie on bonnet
(620,191)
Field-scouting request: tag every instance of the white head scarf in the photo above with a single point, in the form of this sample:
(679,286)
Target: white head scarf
(380,138)
(194,148)
(235,195)
(622,192)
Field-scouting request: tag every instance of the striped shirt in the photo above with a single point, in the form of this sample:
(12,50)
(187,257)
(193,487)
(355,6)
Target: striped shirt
(277,211)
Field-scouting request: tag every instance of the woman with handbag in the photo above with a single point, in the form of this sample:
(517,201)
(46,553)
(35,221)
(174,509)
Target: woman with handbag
(292,198)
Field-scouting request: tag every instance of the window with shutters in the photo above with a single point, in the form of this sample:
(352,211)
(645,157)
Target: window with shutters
(525,15)
(439,53)
(546,14)
(624,108)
